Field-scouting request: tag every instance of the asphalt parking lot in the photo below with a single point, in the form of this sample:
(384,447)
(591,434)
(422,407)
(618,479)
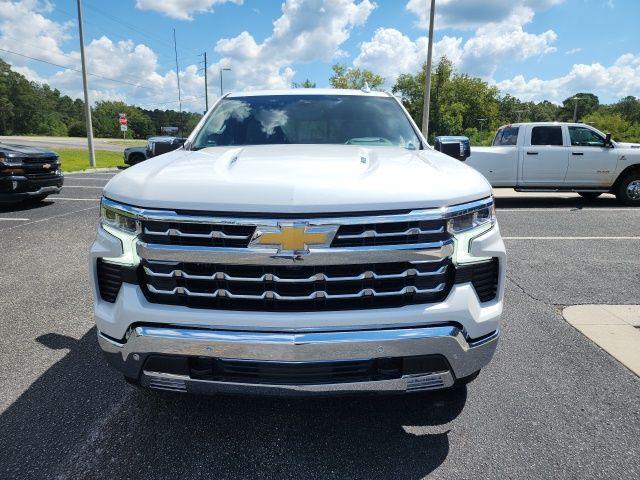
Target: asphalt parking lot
(550,405)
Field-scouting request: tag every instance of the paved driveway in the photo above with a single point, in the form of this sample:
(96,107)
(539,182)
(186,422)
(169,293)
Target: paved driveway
(551,405)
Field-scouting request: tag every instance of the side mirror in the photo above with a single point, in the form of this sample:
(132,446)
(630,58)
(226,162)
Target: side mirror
(607,140)
(457,147)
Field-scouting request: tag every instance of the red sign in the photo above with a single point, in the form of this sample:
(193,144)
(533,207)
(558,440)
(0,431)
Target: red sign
(123,120)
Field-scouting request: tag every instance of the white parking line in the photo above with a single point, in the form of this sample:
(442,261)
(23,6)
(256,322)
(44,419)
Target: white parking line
(77,199)
(88,178)
(571,238)
(14,219)
(51,217)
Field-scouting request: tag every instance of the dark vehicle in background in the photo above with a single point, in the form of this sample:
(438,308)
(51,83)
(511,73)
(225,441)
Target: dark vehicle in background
(28,173)
(155,146)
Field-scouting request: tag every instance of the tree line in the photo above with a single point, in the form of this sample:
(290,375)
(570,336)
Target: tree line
(460,105)
(465,105)
(31,108)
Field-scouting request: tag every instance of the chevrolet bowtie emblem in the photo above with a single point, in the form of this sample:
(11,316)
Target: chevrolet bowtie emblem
(295,238)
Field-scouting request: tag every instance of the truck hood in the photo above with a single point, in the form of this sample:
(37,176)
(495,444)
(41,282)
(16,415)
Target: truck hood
(298,179)
(633,146)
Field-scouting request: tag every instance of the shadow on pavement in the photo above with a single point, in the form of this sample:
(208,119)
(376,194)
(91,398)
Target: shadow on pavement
(81,420)
(24,206)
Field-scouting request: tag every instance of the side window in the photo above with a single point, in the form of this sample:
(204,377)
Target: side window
(506,136)
(546,136)
(584,137)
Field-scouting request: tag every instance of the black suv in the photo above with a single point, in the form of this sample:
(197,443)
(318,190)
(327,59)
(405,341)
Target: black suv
(28,173)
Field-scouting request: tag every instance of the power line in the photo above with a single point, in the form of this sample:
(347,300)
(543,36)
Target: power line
(97,75)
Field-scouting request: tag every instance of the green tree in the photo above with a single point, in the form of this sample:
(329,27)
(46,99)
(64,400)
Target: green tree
(354,78)
(459,103)
(619,127)
(306,84)
(587,103)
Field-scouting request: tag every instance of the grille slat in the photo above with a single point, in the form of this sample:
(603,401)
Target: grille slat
(297,288)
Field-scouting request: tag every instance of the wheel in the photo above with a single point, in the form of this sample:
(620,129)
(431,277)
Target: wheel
(590,195)
(135,159)
(628,191)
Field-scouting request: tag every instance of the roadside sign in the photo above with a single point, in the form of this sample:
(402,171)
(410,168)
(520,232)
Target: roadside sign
(123,128)
(123,118)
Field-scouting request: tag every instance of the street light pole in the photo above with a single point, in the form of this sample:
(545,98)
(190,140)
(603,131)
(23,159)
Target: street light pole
(427,79)
(206,86)
(85,86)
(222,70)
(575,109)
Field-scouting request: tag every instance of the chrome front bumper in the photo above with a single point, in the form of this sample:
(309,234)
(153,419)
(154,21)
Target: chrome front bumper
(465,357)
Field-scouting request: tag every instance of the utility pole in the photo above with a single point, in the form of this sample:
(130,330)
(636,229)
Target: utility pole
(206,87)
(575,109)
(482,120)
(427,79)
(519,112)
(222,70)
(175,49)
(85,86)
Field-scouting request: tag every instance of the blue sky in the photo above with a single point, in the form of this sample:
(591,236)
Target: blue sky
(534,49)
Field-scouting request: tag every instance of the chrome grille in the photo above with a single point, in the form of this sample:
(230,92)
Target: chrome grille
(276,288)
(231,235)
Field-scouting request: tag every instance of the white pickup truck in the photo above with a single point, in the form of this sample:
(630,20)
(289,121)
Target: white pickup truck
(560,157)
(300,242)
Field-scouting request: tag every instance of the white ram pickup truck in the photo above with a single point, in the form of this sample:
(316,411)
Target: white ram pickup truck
(300,242)
(560,157)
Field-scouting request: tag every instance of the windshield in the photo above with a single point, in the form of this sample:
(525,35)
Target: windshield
(307,119)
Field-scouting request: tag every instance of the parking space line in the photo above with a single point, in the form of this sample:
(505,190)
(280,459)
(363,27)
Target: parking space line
(52,217)
(88,178)
(8,219)
(77,199)
(571,238)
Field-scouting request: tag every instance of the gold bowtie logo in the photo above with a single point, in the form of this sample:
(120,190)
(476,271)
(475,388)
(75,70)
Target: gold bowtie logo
(296,238)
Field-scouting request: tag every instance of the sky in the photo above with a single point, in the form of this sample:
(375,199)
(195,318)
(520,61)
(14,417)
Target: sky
(532,49)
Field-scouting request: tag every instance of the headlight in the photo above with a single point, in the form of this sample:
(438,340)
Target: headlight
(471,220)
(467,226)
(122,224)
(112,216)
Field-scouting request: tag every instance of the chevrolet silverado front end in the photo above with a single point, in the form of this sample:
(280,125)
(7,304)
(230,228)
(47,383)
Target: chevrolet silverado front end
(306,241)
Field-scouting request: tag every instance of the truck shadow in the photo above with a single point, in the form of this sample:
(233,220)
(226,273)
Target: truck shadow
(81,420)
(24,206)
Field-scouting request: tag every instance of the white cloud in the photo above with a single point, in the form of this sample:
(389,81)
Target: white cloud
(573,51)
(469,14)
(390,52)
(609,83)
(181,9)
(24,29)
(307,30)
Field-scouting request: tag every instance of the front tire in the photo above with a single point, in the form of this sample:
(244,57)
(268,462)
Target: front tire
(628,191)
(589,195)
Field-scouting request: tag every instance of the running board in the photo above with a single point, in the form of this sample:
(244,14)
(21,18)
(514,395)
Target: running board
(562,190)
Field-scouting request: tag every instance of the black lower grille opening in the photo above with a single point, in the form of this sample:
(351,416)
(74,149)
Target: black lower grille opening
(110,278)
(483,276)
(311,373)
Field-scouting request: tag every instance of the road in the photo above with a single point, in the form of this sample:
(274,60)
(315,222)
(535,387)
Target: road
(110,144)
(550,405)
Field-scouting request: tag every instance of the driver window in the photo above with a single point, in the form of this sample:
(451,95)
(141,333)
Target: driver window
(585,137)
